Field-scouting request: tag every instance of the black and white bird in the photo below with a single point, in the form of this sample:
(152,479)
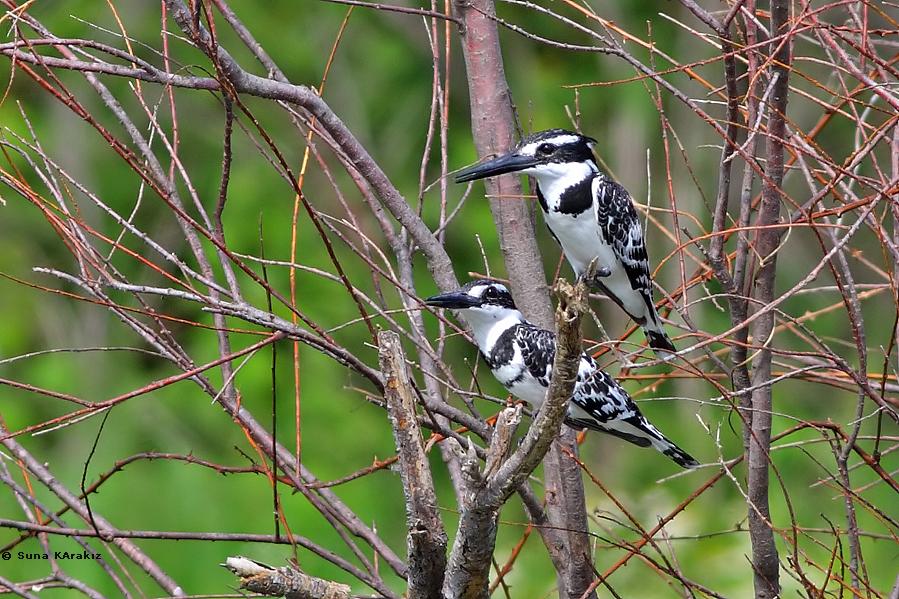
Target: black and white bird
(591,216)
(520,355)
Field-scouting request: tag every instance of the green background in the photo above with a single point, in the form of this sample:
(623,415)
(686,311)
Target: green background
(380,85)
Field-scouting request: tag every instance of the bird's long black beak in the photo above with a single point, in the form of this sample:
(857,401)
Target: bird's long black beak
(509,163)
(454,300)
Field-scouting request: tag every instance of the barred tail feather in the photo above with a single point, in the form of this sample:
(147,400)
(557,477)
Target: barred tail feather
(657,337)
(678,455)
(653,436)
(660,343)
(639,431)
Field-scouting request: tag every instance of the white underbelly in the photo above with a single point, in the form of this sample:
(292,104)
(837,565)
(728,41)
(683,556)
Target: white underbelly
(529,390)
(578,237)
(581,244)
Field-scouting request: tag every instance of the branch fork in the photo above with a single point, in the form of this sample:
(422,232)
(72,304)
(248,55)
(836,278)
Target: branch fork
(469,562)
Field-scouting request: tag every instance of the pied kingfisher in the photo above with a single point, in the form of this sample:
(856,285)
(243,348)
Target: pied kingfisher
(520,356)
(590,216)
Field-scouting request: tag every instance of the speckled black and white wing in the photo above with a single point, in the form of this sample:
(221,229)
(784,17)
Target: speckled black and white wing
(599,403)
(521,360)
(599,395)
(620,229)
(538,350)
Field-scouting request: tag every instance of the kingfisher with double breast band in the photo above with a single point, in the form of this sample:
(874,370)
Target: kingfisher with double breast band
(521,355)
(591,217)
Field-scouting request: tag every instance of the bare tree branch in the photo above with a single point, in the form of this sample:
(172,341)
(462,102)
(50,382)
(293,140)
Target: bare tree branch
(469,561)
(426,539)
(493,126)
(766,565)
(170,262)
(43,474)
(285,581)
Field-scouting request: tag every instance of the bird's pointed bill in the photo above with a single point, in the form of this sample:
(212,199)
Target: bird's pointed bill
(509,163)
(455,300)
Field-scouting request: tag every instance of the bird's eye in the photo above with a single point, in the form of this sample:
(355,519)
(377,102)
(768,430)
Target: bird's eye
(546,149)
(490,293)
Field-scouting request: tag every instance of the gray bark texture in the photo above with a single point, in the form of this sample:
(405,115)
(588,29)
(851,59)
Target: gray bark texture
(493,125)
(494,130)
(426,539)
(468,572)
(285,582)
(765,560)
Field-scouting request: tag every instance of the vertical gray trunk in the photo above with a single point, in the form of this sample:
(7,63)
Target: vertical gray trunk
(494,131)
(765,560)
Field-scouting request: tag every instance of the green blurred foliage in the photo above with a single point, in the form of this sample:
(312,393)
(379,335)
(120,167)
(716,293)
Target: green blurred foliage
(380,84)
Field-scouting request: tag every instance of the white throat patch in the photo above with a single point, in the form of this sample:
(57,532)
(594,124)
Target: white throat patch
(488,324)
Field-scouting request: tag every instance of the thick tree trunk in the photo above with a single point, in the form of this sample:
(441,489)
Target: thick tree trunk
(494,131)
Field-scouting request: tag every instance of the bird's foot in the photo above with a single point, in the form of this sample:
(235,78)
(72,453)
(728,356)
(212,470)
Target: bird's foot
(592,277)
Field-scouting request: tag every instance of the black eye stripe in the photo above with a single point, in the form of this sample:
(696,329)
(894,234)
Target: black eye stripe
(491,293)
